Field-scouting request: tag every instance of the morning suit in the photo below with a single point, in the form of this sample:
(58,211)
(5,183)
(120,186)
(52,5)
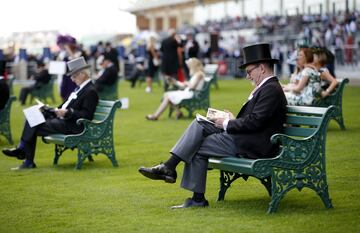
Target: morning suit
(107,78)
(247,136)
(82,105)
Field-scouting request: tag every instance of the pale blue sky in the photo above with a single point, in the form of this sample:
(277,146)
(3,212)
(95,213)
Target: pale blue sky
(76,17)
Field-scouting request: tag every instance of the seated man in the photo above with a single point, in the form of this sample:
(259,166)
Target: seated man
(108,76)
(80,104)
(247,135)
(41,78)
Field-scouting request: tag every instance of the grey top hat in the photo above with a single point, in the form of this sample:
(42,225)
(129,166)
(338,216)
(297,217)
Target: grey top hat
(257,53)
(76,65)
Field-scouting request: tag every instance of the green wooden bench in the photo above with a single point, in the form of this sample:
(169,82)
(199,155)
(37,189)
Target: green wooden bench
(44,92)
(109,92)
(5,128)
(212,70)
(300,163)
(97,136)
(10,82)
(201,100)
(335,99)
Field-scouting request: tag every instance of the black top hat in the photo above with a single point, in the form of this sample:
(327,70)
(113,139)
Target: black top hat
(257,53)
(76,65)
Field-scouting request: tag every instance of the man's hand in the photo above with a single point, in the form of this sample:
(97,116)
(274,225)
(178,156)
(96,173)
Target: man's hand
(218,122)
(231,115)
(60,113)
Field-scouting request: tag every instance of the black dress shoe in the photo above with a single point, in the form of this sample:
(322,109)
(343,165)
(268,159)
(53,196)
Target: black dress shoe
(159,172)
(189,202)
(24,166)
(15,152)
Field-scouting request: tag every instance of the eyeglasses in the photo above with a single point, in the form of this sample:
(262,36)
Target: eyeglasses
(249,71)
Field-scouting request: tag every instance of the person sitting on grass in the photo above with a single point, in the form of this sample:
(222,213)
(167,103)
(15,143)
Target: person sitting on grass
(196,82)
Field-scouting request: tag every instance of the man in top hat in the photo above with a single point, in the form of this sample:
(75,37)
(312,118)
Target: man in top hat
(247,135)
(80,104)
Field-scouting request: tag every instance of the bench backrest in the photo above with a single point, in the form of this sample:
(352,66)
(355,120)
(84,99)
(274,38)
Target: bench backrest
(45,90)
(204,92)
(10,82)
(334,98)
(304,137)
(105,108)
(5,112)
(303,121)
(109,92)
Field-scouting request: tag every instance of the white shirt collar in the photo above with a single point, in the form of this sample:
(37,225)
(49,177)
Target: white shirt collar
(82,85)
(263,81)
(258,86)
(73,94)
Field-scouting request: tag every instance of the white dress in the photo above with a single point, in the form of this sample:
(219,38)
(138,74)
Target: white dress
(176,97)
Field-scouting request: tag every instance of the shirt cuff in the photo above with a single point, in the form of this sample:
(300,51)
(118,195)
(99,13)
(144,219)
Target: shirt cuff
(225,123)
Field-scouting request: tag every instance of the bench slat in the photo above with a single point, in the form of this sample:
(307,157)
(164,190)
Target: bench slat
(304,120)
(105,103)
(301,110)
(99,117)
(103,110)
(233,164)
(299,132)
(55,138)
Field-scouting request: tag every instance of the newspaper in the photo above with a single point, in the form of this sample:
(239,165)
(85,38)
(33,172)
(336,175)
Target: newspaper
(212,113)
(215,113)
(34,116)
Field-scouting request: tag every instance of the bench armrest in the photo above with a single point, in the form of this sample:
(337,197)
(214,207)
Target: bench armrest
(294,152)
(83,121)
(92,129)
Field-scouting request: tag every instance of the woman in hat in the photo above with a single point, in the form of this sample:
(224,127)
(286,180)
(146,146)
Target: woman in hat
(307,89)
(196,82)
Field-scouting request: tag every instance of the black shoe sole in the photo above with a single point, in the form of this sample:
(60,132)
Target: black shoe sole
(167,179)
(19,157)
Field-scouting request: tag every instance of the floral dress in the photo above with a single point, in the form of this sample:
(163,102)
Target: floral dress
(310,92)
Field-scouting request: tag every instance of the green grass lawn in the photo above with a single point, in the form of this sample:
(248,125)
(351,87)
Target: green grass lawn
(100,198)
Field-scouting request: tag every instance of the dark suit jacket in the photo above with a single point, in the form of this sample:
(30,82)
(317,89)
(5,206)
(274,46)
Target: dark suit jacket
(41,78)
(260,118)
(108,78)
(169,56)
(83,106)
